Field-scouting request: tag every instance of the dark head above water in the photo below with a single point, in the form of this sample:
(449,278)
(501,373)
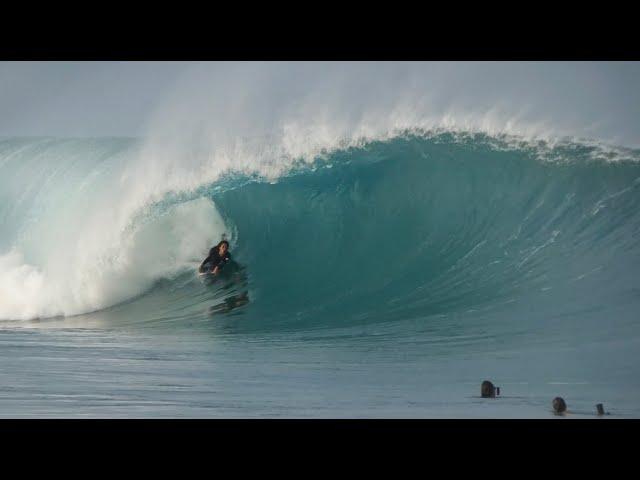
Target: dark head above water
(559,405)
(487,390)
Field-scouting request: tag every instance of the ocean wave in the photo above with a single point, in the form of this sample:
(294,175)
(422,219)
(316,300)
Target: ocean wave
(413,224)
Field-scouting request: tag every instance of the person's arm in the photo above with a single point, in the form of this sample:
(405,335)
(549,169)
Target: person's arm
(215,268)
(201,269)
(215,262)
(203,262)
(208,259)
(219,264)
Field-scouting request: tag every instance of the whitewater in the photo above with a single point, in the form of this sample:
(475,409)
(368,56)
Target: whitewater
(388,258)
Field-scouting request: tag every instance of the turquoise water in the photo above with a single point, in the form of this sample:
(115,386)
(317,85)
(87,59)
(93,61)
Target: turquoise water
(387,279)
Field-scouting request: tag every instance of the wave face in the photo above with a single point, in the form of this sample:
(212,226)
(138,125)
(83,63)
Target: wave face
(404,233)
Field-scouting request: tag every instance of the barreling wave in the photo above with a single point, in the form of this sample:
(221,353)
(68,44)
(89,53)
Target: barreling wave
(413,226)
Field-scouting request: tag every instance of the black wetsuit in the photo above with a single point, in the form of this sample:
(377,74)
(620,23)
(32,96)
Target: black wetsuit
(215,260)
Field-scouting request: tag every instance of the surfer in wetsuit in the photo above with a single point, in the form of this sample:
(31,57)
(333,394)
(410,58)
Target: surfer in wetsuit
(218,257)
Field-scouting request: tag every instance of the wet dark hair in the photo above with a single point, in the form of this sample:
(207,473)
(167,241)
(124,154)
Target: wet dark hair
(221,242)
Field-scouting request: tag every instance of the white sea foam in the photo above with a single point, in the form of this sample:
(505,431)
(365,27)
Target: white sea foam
(103,265)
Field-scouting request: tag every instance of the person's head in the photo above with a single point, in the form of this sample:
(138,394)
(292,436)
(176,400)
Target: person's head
(223,247)
(487,389)
(559,405)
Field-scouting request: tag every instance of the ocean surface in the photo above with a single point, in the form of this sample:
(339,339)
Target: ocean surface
(384,278)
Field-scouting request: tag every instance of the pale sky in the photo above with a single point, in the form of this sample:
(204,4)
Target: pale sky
(121,98)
